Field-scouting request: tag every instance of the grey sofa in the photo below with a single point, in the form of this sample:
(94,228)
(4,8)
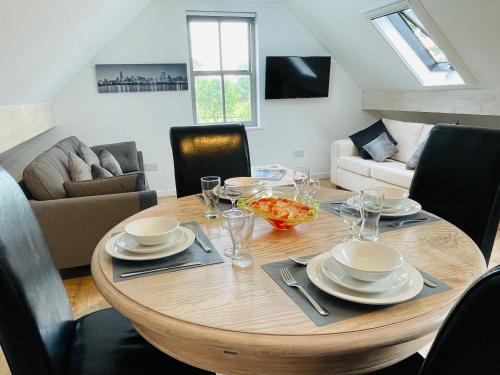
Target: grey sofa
(74,226)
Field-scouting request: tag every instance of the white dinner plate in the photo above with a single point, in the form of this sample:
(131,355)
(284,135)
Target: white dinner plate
(128,243)
(410,207)
(334,271)
(319,279)
(114,250)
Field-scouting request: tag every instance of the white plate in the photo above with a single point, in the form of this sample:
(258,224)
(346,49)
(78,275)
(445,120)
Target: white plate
(410,207)
(128,243)
(319,279)
(116,251)
(336,273)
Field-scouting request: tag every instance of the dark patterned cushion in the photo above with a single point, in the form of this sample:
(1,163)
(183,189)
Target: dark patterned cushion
(99,172)
(367,135)
(109,162)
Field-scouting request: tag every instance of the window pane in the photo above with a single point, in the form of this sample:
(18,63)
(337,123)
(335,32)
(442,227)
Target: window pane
(234,38)
(208,91)
(204,45)
(238,94)
(422,35)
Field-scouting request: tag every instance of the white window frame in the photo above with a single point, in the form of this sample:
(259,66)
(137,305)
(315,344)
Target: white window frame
(251,71)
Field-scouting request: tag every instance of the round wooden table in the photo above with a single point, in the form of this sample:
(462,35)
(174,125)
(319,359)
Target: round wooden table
(238,321)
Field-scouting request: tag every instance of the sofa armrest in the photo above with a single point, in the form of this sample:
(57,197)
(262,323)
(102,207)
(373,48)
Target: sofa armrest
(74,226)
(342,147)
(140,159)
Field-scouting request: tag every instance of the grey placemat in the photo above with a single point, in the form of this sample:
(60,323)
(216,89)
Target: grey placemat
(194,253)
(384,223)
(339,309)
(223,204)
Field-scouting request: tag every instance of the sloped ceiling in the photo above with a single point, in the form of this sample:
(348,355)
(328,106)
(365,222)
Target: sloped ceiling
(472,27)
(44,43)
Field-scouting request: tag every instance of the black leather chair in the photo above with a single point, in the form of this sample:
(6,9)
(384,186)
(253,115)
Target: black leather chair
(458,179)
(467,342)
(212,150)
(37,332)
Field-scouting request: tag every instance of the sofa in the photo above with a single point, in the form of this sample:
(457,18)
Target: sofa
(351,172)
(74,225)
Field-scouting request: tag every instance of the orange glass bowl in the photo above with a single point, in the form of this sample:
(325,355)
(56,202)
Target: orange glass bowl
(282,210)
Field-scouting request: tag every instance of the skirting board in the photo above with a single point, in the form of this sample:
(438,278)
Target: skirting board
(19,123)
(467,102)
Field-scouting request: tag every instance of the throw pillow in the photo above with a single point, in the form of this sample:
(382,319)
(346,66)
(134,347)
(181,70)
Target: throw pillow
(381,148)
(367,135)
(87,154)
(414,158)
(109,162)
(78,169)
(99,172)
(112,185)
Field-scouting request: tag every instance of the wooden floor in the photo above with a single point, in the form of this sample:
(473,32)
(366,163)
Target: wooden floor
(84,297)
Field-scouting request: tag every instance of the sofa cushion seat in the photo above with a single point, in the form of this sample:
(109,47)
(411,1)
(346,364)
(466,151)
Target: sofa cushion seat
(359,165)
(393,173)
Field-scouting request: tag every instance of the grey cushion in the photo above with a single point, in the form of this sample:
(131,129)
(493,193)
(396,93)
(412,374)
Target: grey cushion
(412,161)
(112,185)
(45,175)
(125,153)
(88,155)
(381,148)
(99,172)
(78,169)
(109,162)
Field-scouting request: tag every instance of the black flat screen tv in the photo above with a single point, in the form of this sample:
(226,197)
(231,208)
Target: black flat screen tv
(297,77)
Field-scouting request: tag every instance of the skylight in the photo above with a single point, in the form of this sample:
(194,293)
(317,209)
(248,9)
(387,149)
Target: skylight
(409,37)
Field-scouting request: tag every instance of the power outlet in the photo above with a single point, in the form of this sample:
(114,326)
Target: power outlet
(151,167)
(298,153)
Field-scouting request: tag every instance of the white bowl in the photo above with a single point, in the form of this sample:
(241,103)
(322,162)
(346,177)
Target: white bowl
(248,185)
(367,260)
(394,197)
(153,230)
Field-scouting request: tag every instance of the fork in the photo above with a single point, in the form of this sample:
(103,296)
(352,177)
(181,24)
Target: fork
(290,281)
(401,223)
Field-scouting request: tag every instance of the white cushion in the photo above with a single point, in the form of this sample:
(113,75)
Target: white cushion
(425,131)
(406,134)
(355,182)
(394,173)
(359,165)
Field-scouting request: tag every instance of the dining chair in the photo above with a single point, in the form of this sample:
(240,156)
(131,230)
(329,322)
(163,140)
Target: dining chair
(467,341)
(212,150)
(458,179)
(38,334)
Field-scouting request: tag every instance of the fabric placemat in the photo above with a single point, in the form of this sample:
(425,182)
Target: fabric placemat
(339,309)
(223,204)
(384,223)
(194,253)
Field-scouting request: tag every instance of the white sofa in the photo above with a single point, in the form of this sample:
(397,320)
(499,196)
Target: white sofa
(350,171)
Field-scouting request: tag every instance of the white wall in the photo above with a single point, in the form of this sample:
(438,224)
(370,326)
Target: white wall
(159,34)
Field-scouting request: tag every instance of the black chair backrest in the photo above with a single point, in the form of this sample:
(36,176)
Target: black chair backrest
(467,342)
(212,150)
(36,323)
(458,179)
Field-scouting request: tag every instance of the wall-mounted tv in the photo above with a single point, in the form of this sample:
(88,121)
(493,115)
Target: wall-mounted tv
(297,77)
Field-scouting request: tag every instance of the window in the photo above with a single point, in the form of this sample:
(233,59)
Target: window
(222,55)
(415,45)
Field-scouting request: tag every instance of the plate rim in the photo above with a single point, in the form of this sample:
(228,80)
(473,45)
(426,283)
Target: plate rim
(160,247)
(137,257)
(417,209)
(357,297)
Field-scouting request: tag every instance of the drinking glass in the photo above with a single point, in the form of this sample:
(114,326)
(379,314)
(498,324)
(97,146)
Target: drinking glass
(208,184)
(239,221)
(299,174)
(233,192)
(310,187)
(372,201)
(351,216)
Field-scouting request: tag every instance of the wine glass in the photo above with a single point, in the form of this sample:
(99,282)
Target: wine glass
(351,216)
(310,187)
(299,174)
(232,192)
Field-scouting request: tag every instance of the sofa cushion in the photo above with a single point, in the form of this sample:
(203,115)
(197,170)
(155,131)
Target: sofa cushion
(393,173)
(109,162)
(45,175)
(358,165)
(112,185)
(78,169)
(367,135)
(406,134)
(381,148)
(125,153)
(88,155)
(99,172)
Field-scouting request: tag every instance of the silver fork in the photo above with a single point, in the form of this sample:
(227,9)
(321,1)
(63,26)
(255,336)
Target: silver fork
(403,222)
(290,281)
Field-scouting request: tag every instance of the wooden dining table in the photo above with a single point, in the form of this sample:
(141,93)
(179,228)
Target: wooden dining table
(239,321)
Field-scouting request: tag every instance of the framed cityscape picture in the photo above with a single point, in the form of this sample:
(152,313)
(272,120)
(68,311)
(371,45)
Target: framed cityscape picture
(141,77)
